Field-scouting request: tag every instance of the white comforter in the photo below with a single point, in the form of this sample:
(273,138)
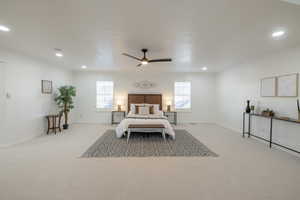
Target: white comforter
(144,119)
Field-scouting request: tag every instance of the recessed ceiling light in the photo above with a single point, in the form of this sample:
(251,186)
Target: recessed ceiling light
(204,68)
(58,53)
(83,67)
(4,28)
(277,34)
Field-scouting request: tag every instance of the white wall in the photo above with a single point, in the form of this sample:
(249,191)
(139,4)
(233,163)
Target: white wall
(26,108)
(2,100)
(203,93)
(236,85)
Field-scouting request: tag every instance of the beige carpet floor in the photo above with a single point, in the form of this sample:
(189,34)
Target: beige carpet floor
(50,167)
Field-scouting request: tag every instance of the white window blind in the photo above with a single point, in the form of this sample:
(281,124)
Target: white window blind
(182,95)
(105,94)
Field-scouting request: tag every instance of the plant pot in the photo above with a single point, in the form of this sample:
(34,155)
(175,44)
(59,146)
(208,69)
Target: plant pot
(65,126)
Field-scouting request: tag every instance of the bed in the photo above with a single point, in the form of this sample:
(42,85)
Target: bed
(143,101)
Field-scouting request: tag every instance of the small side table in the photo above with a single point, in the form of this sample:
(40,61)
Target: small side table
(117,116)
(53,123)
(172,116)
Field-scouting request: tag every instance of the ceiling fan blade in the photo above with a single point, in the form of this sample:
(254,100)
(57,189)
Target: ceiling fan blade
(130,56)
(161,60)
(139,65)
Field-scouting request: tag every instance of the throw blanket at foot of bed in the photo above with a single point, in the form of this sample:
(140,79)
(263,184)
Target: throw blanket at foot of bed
(143,120)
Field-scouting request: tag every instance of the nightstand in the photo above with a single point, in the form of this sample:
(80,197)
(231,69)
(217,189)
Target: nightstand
(172,116)
(117,116)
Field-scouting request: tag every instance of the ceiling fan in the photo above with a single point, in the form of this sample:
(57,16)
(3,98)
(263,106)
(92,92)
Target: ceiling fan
(145,60)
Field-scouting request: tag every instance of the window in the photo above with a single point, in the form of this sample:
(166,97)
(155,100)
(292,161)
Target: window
(182,95)
(105,93)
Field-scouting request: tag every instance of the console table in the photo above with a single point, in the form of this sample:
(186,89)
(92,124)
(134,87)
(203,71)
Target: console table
(54,123)
(270,140)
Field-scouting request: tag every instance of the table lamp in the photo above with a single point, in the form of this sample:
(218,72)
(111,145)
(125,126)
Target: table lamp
(119,103)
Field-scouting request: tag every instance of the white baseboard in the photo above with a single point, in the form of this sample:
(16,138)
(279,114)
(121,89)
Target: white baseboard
(187,122)
(19,142)
(196,122)
(228,127)
(90,122)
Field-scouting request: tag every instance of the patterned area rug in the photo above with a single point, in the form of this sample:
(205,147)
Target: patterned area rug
(148,145)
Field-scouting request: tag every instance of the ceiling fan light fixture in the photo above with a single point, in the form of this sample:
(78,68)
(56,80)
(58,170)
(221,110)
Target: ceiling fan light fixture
(144,62)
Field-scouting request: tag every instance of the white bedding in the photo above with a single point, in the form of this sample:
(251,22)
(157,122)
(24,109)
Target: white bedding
(144,119)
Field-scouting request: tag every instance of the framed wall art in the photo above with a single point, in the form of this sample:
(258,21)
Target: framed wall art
(46,87)
(287,85)
(268,87)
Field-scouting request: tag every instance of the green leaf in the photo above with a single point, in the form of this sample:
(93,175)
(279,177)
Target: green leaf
(64,99)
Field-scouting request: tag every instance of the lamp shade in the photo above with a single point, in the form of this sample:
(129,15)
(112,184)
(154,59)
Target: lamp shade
(168,103)
(119,102)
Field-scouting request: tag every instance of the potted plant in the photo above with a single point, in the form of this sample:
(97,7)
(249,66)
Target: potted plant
(65,102)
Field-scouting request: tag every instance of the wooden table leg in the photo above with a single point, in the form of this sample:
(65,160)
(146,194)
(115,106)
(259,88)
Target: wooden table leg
(59,119)
(244,124)
(54,124)
(48,125)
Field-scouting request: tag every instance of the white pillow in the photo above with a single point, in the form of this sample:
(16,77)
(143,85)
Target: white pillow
(143,110)
(156,108)
(160,113)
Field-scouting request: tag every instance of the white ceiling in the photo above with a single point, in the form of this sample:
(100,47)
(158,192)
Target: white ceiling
(195,33)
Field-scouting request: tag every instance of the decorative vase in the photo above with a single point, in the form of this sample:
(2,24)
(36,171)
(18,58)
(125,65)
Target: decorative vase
(65,126)
(248,109)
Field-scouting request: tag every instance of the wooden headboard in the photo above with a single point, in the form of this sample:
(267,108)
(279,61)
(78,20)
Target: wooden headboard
(145,98)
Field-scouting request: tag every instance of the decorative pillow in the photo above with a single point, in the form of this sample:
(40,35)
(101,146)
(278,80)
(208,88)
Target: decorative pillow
(143,110)
(151,110)
(137,109)
(132,107)
(156,108)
